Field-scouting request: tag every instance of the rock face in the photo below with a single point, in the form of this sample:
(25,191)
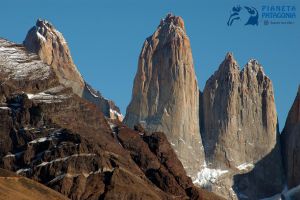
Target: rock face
(291,144)
(165,94)
(52,48)
(108,107)
(240,126)
(44,40)
(53,136)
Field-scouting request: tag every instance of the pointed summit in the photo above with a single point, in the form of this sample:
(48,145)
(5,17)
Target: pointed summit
(240,125)
(165,94)
(229,64)
(44,40)
(170,20)
(53,50)
(229,56)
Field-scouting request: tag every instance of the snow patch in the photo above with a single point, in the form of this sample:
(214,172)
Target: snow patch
(47,98)
(10,155)
(116,113)
(18,64)
(165,111)
(85,174)
(4,108)
(23,170)
(65,158)
(92,92)
(44,139)
(40,36)
(208,176)
(245,166)
(39,140)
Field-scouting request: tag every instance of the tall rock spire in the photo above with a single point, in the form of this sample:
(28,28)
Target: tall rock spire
(165,94)
(52,48)
(240,127)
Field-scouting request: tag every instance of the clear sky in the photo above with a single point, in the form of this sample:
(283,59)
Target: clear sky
(105,38)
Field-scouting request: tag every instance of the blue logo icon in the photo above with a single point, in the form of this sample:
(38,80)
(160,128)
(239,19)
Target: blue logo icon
(239,13)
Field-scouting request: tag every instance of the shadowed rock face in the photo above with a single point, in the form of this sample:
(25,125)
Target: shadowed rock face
(108,107)
(291,143)
(165,94)
(240,123)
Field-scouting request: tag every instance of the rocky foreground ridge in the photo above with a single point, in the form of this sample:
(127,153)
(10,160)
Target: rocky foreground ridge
(58,137)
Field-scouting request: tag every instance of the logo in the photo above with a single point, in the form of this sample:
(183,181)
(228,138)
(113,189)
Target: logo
(248,14)
(278,14)
(272,14)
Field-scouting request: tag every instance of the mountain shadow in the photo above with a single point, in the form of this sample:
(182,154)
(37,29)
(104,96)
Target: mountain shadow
(261,182)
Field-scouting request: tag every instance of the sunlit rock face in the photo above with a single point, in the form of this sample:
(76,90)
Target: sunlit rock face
(165,94)
(52,48)
(240,128)
(46,41)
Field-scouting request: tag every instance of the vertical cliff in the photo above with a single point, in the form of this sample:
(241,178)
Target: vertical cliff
(240,127)
(291,143)
(165,94)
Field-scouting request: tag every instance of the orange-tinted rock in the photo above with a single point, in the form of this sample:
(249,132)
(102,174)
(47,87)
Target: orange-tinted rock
(52,48)
(165,94)
(240,128)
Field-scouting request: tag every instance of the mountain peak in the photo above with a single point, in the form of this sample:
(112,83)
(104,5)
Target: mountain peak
(229,64)
(229,56)
(44,40)
(165,95)
(254,68)
(42,22)
(172,22)
(172,19)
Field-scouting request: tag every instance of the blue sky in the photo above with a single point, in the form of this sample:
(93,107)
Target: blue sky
(105,38)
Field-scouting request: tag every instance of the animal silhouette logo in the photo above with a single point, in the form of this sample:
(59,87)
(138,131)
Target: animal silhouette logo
(248,13)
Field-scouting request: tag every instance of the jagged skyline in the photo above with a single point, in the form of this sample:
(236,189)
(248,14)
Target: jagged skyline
(122,39)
